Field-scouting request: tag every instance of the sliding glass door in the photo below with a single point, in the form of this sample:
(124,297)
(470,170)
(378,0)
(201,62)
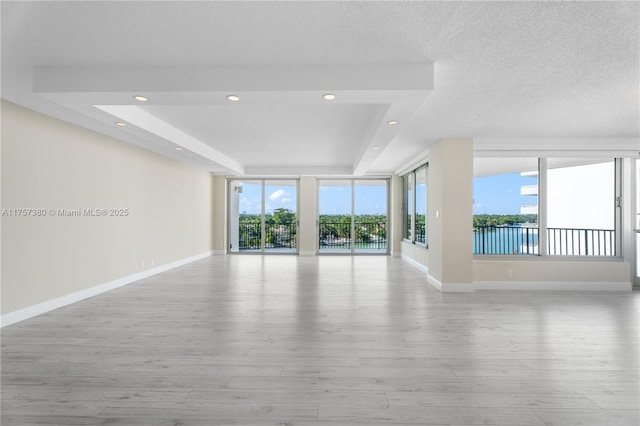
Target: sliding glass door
(352,216)
(335,207)
(262,216)
(370,216)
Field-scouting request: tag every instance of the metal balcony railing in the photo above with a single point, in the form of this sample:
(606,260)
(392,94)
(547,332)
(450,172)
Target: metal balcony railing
(505,240)
(581,242)
(560,241)
(277,236)
(368,235)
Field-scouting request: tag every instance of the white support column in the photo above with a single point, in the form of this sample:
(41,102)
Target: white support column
(395,216)
(307,216)
(450,215)
(219,215)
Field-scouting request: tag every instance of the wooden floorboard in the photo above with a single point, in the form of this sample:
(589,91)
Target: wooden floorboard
(287,340)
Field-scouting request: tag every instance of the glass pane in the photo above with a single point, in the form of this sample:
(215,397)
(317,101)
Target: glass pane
(505,206)
(370,216)
(334,208)
(421,205)
(408,206)
(245,211)
(280,230)
(581,206)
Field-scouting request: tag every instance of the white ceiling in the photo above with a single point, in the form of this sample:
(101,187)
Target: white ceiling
(518,77)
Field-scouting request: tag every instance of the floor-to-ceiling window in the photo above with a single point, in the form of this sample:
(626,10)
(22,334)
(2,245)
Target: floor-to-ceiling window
(352,215)
(262,216)
(414,206)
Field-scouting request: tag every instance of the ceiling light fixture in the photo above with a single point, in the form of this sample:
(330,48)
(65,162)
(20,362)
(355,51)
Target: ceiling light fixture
(141,98)
(329,97)
(233,98)
(392,122)
(120,124)
(177,148)
(375,147)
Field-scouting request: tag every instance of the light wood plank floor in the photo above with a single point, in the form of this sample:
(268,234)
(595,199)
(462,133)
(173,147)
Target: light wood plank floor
(286,340)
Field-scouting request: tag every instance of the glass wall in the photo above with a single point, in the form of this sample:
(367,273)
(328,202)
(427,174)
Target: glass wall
(421,206)
(415,206)
(262,216)
(581,206)
(352,216)
(505,206)
(407,181)
(370,215)
(335,210)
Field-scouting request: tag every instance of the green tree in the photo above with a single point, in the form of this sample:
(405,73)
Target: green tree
(283,216)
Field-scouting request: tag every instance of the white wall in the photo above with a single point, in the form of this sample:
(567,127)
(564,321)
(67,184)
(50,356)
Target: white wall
(49,164)
(558,274)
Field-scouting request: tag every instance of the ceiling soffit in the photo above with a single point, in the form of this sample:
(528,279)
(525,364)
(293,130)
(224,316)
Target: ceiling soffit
(106,94)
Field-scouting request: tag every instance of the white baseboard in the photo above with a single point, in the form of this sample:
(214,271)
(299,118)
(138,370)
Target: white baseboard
(414,263)
(59,302)
(450,287)
(559,286)
(443,287)
(518,285)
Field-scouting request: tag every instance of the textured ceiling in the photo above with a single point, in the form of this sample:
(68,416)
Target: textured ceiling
(515,76)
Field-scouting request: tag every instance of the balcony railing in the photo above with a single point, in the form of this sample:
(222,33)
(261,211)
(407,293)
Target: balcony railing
(368,235)
(581,242)
(561,241)
(277,236)
(505,240)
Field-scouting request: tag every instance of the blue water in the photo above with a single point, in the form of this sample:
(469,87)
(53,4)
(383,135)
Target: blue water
(506,240)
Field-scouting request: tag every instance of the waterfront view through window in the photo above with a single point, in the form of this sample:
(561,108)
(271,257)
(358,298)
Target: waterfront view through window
(352,216)
(505,207)
(263,216)
(580,213)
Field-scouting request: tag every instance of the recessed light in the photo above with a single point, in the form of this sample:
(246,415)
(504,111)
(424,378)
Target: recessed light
(141,98)
(120,124)
(392,122)
(376,147)
(177,148)
(329,97)
(233,98)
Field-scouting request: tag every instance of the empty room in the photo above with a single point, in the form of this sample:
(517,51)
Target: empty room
(320,213)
